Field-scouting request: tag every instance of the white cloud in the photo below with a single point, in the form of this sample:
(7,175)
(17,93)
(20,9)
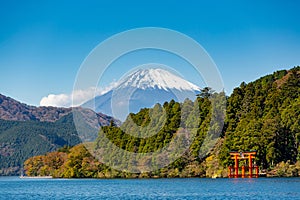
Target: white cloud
(76,98)
(60,100)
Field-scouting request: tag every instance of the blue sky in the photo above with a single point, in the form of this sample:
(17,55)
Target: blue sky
(43,43)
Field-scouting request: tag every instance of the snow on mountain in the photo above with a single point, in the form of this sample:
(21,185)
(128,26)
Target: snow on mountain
(140,89)
(156,78)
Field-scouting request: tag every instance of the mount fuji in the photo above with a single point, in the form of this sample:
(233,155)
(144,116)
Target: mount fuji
(142,88)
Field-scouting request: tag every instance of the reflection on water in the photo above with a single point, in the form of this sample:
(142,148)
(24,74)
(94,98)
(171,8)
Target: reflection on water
(261,188)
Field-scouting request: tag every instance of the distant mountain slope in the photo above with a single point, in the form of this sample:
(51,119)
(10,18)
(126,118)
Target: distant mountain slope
(143,89)
(26,131)
(11,109)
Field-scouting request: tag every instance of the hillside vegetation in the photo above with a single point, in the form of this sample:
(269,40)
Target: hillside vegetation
(22,140)
(263,115)
(27,131)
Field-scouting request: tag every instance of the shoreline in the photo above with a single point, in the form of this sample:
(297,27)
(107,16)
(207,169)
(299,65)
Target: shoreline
(35,177)
(195,177)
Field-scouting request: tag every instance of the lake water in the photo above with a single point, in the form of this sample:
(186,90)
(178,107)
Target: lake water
(193,188)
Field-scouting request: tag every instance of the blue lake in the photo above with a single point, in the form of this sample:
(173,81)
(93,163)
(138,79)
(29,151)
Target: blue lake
(193,188)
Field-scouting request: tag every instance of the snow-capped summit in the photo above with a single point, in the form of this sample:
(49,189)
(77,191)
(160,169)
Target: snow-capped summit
(140,89)
(156,78)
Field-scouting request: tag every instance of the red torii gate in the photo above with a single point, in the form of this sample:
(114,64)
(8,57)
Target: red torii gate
(249,155)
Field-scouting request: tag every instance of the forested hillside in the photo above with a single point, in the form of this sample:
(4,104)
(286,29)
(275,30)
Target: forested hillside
(21,140)
(263,115)
(27,131)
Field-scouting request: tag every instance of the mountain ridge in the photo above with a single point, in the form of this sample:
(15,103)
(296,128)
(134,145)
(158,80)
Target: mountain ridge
(13,110)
